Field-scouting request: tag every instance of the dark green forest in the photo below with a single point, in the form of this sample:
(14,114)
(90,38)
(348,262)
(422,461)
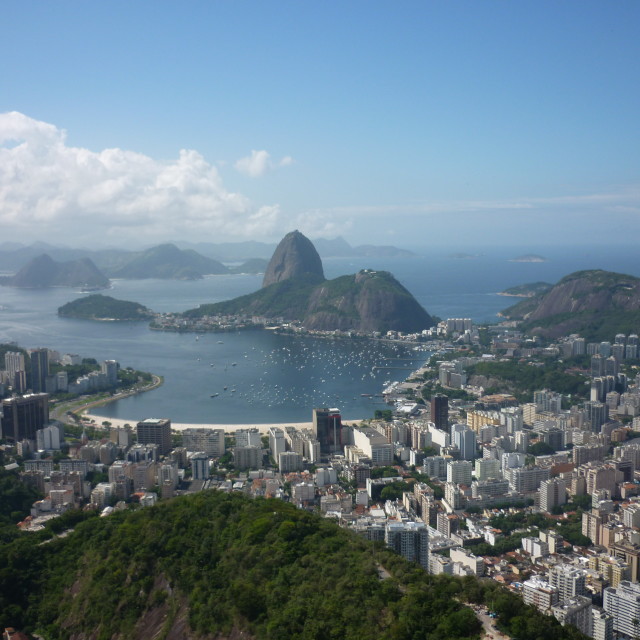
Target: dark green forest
(214,564)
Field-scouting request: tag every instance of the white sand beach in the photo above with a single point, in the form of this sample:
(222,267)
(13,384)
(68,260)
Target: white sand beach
(263,428)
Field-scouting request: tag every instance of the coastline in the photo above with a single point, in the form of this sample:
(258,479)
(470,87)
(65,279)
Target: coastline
(181,426)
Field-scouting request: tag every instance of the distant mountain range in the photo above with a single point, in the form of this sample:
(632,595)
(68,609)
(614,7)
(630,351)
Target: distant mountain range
(13,256)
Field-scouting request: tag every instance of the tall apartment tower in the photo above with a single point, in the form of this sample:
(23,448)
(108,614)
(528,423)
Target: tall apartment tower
(553,493)
(154,431)
(23,416)
(110,369)
(15,368)
(440,411)
(327,427)
(39,369)
(568,580)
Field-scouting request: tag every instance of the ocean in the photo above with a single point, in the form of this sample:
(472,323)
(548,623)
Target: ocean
(272,378)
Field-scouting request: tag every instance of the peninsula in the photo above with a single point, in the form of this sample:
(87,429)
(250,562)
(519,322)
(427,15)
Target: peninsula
(594,303)
(295,290)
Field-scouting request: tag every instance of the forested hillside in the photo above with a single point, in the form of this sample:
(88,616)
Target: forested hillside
(211,565)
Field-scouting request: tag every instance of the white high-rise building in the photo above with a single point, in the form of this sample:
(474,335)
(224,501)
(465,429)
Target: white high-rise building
(459,472)
(289,461)
(210,441)
(277,443)
(602,628)
(576,611)
(48,439)
(486,468)
(374,445)
(410,540)
(200,465)
(248,438)
(539,593)
(466,441)
(623,603)
(568,580)
(553,493)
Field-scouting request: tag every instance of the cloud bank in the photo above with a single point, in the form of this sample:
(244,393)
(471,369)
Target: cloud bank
(259,163)
(51,190)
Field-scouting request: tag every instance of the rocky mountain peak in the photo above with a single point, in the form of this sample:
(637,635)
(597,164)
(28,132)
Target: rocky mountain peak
(294,257)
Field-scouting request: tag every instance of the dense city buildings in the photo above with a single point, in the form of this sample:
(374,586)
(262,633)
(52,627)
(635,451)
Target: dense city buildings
(545,489)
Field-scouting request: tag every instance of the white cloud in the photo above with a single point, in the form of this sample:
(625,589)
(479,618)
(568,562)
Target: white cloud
(259,163)
(65,191)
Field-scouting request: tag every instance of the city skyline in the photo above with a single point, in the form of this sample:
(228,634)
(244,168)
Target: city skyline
(378,123)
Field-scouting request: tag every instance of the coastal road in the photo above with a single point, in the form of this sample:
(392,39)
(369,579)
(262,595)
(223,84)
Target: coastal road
(59,412)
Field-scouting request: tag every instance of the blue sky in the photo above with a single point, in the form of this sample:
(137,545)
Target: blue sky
(399,123)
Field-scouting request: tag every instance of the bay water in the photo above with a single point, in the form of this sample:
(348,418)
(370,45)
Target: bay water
(273,378)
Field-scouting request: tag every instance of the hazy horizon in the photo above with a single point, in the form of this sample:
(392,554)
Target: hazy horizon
(426,124)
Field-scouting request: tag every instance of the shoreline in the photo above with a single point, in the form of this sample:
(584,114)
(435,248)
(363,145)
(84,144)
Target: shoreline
(181,426)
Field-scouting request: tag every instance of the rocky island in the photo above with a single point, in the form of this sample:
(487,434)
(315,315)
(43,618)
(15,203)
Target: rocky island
(104,308)
(295,290)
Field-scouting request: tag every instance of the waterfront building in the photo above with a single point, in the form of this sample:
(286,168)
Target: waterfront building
(327,428)
(374,445)
(248,438)
(155,431)
(277,443)
(209,441)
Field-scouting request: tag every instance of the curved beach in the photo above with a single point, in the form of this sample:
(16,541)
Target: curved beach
(181,426)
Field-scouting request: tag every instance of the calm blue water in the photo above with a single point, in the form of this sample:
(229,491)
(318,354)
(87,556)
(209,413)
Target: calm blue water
(278,378)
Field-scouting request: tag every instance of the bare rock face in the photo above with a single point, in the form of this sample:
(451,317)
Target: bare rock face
(294,257)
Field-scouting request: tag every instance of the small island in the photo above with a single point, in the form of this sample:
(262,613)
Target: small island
(105,309)
(529,257)
(526,290)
